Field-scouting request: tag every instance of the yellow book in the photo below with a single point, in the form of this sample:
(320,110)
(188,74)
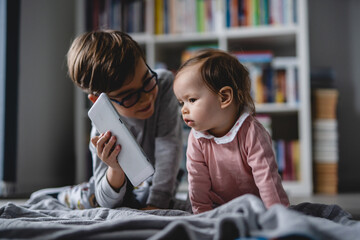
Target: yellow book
(296,158)
(159,16)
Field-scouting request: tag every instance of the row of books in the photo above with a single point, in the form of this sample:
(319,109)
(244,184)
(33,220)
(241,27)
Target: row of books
(127,16)
(274,79)
(260,12)
(182,16)
(288,159)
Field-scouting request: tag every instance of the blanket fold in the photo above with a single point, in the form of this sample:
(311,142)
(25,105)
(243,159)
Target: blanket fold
(43,217)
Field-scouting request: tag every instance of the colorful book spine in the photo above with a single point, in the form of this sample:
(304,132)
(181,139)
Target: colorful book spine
(287,153)
(128,16)
(159,16)
(260,12)
(200,15)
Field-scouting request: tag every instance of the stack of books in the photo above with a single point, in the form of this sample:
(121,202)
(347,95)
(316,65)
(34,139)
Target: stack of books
(325,136)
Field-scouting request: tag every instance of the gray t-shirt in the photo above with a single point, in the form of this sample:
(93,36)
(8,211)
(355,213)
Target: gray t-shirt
(161,139)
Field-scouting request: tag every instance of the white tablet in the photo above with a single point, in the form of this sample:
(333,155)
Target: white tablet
(131,158)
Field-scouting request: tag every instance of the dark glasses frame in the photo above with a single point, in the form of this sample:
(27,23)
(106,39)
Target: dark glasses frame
(137,93)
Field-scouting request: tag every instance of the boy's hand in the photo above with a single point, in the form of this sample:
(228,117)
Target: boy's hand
(107,150)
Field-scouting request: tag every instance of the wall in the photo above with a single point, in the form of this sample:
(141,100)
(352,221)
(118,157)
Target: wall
(45,118)
(334,42)
(3,22)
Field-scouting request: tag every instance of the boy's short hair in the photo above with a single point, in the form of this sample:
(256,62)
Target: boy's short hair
(101,61)
(219,69)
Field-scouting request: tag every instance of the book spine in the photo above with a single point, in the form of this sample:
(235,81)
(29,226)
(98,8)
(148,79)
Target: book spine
(200,15)
(159,17)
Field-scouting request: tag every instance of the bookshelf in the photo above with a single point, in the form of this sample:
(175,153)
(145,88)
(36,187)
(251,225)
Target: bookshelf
(285,35)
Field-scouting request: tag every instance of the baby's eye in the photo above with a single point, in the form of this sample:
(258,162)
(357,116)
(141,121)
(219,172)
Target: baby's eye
(181,104)
(192,100)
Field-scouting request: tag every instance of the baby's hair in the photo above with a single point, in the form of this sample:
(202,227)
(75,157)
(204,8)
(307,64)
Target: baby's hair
(219,69)
(101,61)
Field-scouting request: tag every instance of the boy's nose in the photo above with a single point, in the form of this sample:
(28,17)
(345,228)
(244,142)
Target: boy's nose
(144,97)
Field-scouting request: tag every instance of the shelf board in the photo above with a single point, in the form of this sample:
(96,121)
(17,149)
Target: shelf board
(261,31)
(142,38)
(276,107)
(296,188)
(230,33)
(186,37)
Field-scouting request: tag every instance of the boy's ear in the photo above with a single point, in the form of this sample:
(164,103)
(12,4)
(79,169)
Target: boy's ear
(226,96)
(92,97)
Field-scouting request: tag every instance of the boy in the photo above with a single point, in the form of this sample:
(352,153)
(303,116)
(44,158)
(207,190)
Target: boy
(112,62)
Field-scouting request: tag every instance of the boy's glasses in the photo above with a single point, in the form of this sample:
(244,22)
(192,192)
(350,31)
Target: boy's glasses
(131,99)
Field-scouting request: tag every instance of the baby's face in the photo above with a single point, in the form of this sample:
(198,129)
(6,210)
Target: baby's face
(144,107)
(200,107)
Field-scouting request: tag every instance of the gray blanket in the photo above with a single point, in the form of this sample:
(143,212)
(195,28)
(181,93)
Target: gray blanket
(45,218)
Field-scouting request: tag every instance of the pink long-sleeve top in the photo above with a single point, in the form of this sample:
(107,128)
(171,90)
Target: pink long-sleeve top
(241,162)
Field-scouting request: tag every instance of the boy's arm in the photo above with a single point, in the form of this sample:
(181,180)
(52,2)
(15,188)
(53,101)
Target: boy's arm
(168,145)
(105,195)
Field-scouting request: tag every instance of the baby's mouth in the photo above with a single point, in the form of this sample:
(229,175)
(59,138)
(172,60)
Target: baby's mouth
(188,121)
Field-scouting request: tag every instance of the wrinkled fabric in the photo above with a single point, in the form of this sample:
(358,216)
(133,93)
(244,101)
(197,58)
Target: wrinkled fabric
(44,217)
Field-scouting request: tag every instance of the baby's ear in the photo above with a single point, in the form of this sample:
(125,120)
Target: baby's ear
(226,96)
(92,97)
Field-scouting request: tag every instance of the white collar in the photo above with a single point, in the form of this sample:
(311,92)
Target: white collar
(227,137)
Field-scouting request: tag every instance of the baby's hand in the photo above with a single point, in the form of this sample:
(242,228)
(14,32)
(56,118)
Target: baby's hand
(107,150)
(149,207)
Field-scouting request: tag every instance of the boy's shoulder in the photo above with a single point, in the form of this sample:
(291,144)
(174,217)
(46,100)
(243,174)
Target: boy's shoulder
(165,74)
(165,78)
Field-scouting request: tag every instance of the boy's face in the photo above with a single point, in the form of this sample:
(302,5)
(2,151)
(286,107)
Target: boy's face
(201,107)
(144,108)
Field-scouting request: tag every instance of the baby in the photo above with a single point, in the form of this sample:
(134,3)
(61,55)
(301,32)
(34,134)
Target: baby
(229,152)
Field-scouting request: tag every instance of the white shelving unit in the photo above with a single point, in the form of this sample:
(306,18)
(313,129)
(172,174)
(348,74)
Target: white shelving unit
(287,40)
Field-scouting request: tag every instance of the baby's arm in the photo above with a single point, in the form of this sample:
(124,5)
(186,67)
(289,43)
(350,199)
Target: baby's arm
(261,159)
(198,177)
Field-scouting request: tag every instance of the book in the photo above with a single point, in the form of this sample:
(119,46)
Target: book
(287,153)
(200,15)
(289,65)
(159,16)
